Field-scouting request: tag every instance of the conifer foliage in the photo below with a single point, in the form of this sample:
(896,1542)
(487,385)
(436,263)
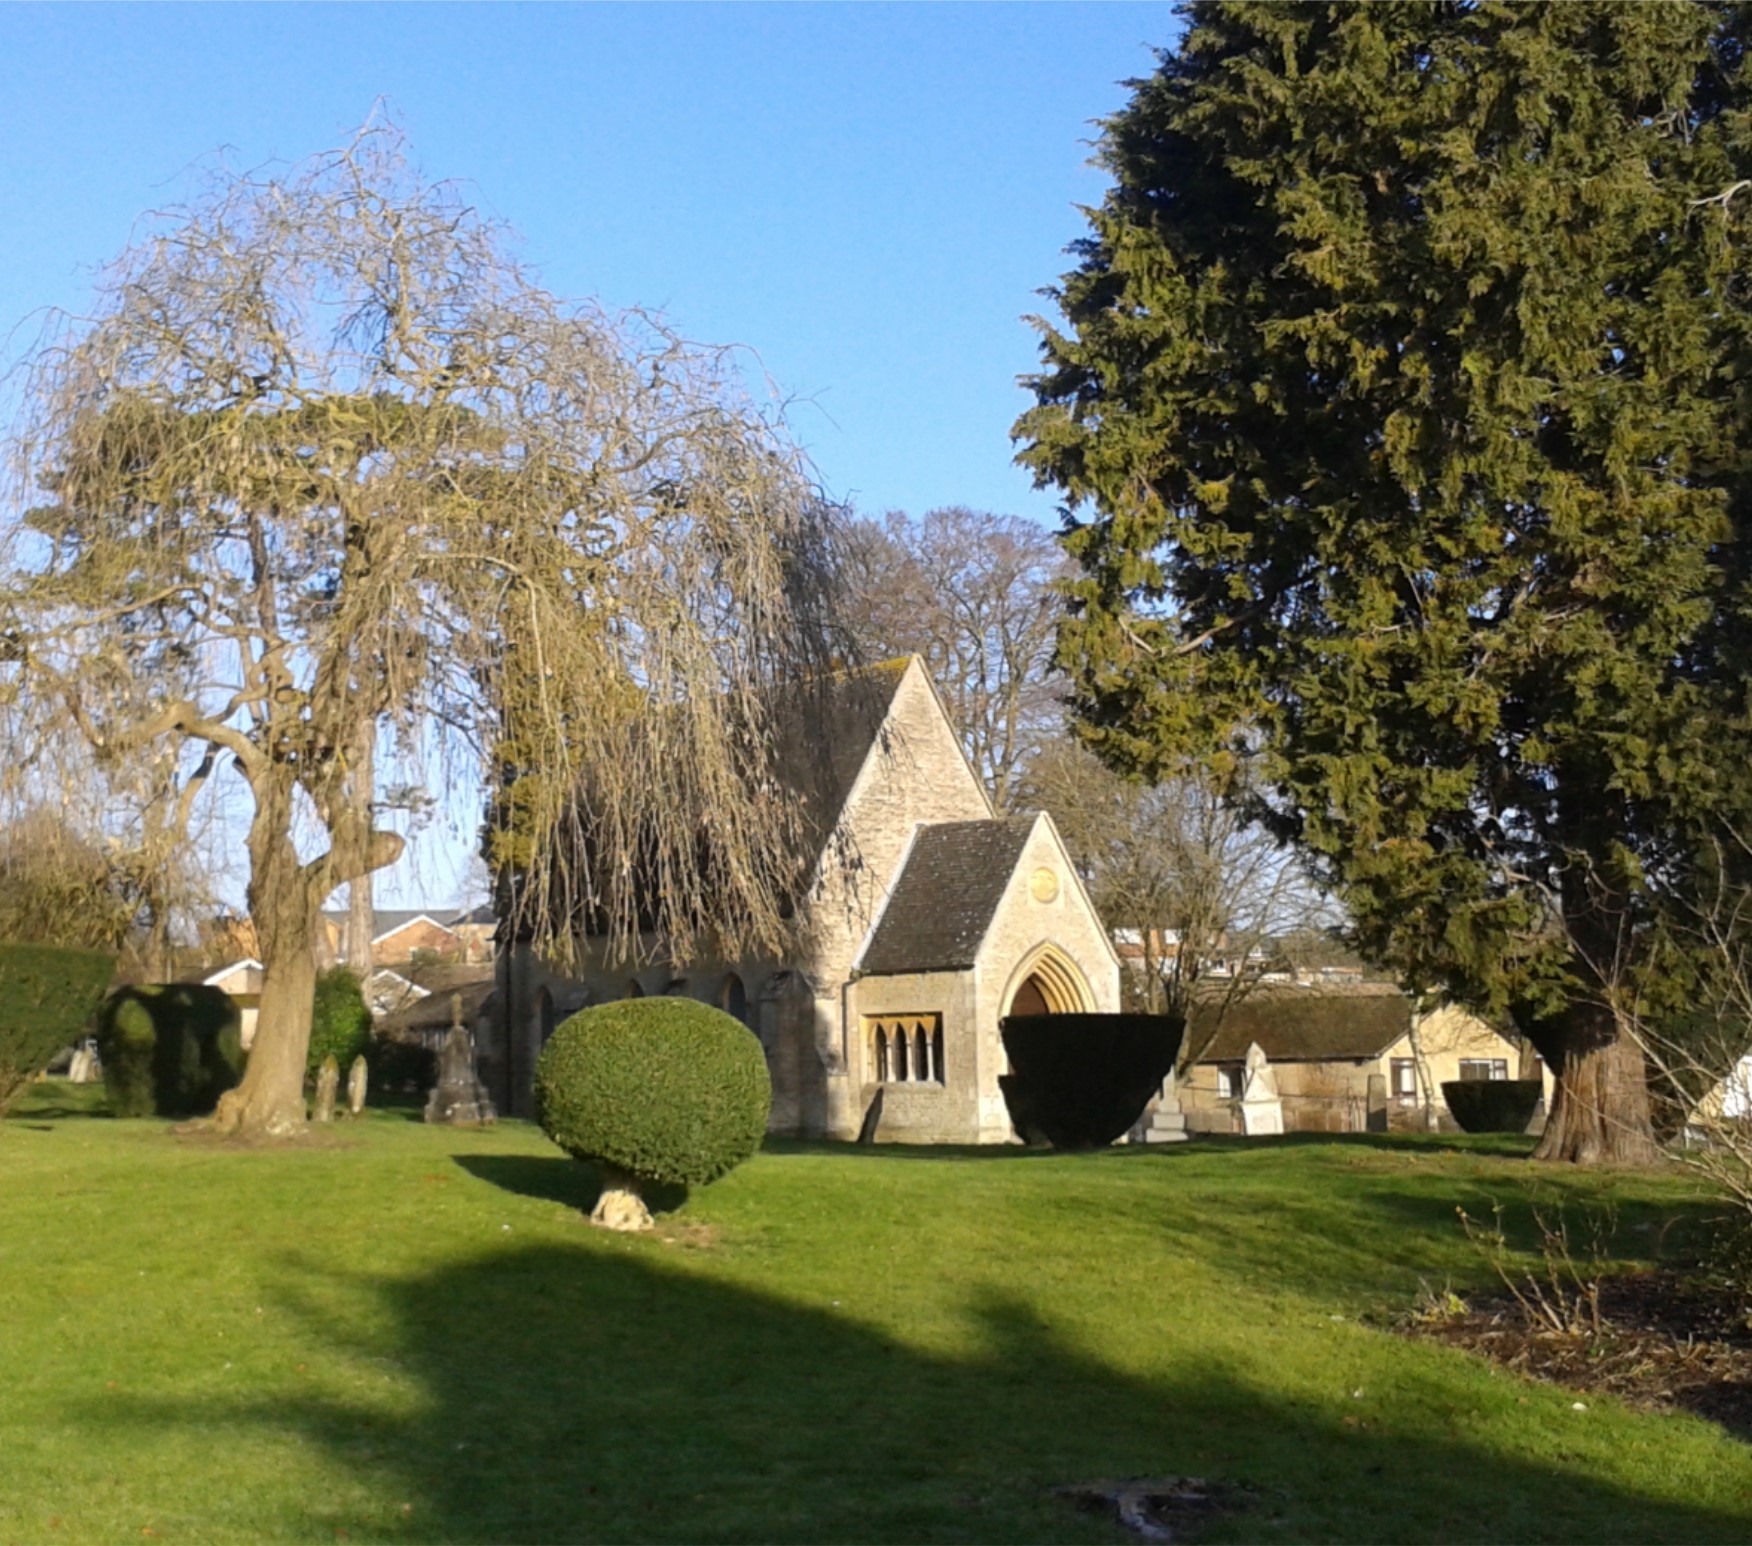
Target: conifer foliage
(1396,408)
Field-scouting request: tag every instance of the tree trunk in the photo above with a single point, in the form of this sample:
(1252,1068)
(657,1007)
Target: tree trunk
(620,1206)
(270,1100)
(1600,1106)
(361,914)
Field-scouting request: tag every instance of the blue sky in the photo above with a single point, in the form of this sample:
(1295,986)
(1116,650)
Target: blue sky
(866,196)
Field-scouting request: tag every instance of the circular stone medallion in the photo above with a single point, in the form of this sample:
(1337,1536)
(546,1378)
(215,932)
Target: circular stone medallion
(1043,885)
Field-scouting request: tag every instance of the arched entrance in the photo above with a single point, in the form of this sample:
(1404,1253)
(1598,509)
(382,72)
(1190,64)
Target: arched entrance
(733,998)
(1048,982)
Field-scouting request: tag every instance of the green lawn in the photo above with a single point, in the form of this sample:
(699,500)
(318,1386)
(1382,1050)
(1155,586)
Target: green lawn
(403,1333)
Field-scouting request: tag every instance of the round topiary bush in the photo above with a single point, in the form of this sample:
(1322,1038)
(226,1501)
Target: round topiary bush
(340,1019)
(661,1090)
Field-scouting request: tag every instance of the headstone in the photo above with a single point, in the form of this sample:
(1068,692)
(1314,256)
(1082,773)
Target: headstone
(357,1078)
(1377,1103)
(328,1078)
(460,1098)
(79,1071)
(1163,1121)
(1262,1109)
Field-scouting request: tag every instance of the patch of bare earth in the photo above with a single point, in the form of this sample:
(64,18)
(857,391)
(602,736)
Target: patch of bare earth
(1664,1343)
(1159,1508)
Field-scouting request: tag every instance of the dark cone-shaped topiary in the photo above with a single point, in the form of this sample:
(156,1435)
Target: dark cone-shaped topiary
(1081,1080)
(1493,1105)
(661,1090)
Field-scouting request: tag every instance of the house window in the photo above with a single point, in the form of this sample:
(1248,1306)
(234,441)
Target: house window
(1404,1078)
(1484,1068)
(1231,1080)
(906,1049)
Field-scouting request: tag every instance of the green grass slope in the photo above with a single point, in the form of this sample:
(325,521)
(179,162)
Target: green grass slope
(400,1333)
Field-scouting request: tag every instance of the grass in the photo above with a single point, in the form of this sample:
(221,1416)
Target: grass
(394,1332)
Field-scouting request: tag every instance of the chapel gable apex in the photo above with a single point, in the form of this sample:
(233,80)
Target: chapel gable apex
(916,758)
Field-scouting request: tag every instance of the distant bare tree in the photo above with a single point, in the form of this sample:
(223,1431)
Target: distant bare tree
(1176,867)
(973,593)
(325,472)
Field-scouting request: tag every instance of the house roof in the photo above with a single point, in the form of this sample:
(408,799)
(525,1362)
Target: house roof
(1309,1026)
(387,921)
(434,1012)
(942,904)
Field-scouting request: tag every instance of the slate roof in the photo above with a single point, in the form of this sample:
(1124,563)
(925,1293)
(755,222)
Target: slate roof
(824,731)
(434,1012)
(1310,1026)
(940,908)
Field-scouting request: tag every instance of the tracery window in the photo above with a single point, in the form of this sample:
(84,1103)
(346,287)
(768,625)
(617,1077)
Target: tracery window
(906,1049)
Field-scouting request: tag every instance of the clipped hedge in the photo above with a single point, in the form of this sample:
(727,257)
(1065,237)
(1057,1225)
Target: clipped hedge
(1492,1105)
(1080,1081)
(169,1049)
(47,996)
(664,1089)
(340,1019)
(400,1067)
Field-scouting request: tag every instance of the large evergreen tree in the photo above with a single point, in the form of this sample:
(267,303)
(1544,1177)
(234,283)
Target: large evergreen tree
(1396,411)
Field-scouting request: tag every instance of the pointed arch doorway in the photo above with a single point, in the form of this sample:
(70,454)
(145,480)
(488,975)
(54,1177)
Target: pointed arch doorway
(1048,982)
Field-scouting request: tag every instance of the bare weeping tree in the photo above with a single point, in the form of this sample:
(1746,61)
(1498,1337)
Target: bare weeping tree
(326,473)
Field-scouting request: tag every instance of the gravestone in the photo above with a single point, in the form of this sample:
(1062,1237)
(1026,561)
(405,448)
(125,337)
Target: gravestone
(1262,1109)
(357,1078)
(328,1078)
(460,1098)
(1163,1121)
(81,1070)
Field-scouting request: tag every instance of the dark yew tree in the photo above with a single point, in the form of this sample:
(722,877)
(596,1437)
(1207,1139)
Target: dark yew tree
(1396,412)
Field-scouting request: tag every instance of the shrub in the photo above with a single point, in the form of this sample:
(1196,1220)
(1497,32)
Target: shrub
(400,1067)
(47,995)
(169,1049)
(1081,1080)
(340,1019)
(1492,1105)
(662,1089)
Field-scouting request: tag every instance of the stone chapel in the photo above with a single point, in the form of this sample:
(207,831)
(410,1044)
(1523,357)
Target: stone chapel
(926,919)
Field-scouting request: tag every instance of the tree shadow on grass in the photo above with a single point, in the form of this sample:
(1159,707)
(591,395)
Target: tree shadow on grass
(602,1392)
(557,1178)
(1350,1235)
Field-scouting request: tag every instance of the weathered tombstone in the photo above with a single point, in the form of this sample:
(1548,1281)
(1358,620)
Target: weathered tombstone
(1262,1108)
(328,1078)
(357,1078)
(79,1070)
(1377,1103)
(460,1098)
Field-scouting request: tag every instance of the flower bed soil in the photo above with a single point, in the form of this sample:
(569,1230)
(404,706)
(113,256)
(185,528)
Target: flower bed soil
(1665,1343)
